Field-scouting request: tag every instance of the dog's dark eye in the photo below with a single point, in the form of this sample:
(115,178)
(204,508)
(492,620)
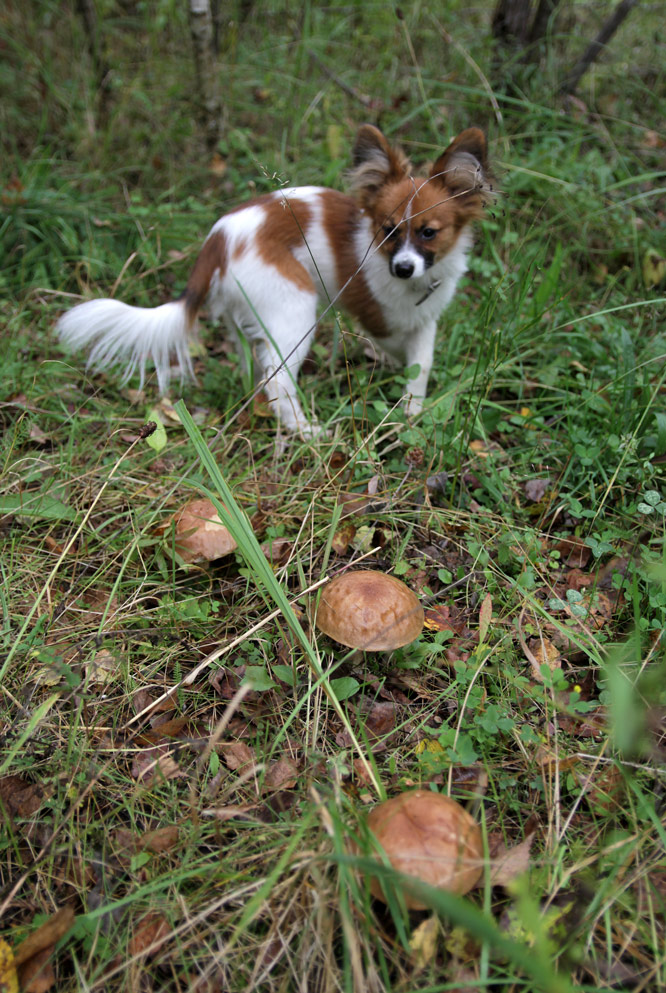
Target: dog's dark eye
(390,231)
(428,233)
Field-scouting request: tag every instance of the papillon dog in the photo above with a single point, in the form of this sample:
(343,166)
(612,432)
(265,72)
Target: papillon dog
(390,254)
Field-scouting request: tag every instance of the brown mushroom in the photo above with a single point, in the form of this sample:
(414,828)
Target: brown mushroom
(368,609)
(200,534)
(431,837)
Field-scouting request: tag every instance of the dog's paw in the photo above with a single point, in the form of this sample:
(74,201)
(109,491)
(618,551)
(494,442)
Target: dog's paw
(413,406)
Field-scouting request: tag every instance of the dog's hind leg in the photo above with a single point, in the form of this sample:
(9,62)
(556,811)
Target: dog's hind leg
(280,353)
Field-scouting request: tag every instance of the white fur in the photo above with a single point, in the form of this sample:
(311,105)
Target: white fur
(117,333)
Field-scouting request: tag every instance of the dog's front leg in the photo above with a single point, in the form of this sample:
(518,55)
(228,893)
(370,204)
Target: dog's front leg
(419,350)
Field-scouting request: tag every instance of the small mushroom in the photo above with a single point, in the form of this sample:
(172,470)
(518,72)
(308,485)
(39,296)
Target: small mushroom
(431,837)
(200,534)
(368,609)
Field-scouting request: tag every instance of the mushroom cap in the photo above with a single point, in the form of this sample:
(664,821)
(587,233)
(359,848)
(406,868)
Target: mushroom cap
(429,836)
(200,534)
(368,609)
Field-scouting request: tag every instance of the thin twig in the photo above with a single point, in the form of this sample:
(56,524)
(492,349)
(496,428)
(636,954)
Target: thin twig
(595,47)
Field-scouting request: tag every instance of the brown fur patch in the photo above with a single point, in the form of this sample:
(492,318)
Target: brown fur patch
(285,229)
(212,256)
(240,248)
(414,205)
(340,221)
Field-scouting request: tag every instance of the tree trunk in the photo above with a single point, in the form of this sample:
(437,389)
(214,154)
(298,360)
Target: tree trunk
(511,21)
(207,96)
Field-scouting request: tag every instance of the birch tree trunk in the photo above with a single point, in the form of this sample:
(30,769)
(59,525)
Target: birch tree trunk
(207,96)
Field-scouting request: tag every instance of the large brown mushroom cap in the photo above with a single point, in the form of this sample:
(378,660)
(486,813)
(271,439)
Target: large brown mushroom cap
(369,610)
(429,836)
(200,534)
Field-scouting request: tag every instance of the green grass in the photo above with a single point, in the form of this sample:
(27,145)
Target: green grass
(544,440)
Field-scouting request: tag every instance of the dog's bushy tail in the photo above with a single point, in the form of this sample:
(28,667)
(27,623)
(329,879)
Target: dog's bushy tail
(115,333)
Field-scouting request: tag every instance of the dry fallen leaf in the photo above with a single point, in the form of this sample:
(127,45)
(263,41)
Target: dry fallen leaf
(37,974)
(152,765)
(160,840)
(423,943)
(102,667)
(33,957)
(485,617)
(238,755)
(442,617)
(506,864)
(343,538)
(543,651)
(19,797)
(281,774)
(48,933)
(152,930)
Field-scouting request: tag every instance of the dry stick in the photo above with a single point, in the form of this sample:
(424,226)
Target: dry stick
(368,102)
(595,47)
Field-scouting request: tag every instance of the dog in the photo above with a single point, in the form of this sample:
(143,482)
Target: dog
(390,254)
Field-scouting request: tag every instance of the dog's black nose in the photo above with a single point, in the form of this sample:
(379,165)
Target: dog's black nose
(403,270)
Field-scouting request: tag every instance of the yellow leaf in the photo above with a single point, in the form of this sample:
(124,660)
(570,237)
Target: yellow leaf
(334,139)
(8,979)
(430,745)
(423,942)
(654,268)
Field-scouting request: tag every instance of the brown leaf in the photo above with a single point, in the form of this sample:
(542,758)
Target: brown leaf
(237,755)
(281,774)
(542,651)
(153,765)
(604,788)
(102,667)
(163,727)
(153,929)
(551,760)
(378,719)
(160,840)
(485,616)
(353,503)
(342,539)
(278,551)
(225,682)
(37,975)
(574,552)
(593,724)
(144,699)
(442,617)
(506,864)
(19,797)
(46,935)
(38,436)
(361,771)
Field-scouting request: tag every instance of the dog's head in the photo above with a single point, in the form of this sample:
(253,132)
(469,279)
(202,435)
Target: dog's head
(418,219)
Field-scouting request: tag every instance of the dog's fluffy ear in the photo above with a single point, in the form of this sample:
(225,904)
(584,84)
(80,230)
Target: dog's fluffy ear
(463,167)
(374,163)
